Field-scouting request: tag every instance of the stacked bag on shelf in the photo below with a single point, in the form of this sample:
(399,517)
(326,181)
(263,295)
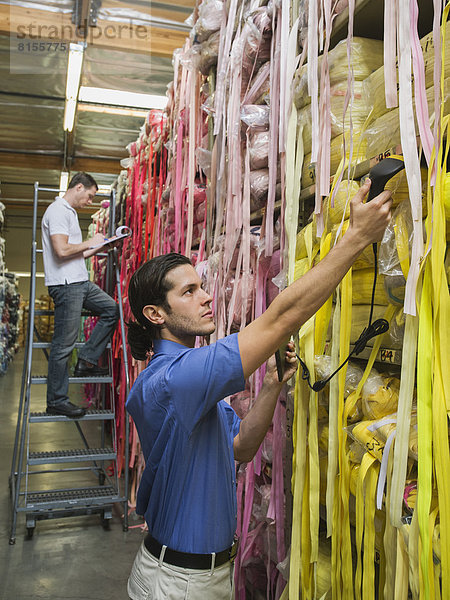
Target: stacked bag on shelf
(45,324)
(9,307)
(9,325)
(367,57)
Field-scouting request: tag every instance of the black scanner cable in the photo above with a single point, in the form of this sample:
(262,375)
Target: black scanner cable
(379,176)
(372,330)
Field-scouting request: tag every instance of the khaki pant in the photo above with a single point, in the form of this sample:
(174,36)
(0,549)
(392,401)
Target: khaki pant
(153,579)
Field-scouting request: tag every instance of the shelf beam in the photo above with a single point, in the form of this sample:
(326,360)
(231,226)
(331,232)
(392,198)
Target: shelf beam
(19,160)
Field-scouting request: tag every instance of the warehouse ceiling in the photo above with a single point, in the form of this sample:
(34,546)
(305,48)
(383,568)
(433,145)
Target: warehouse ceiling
(128,47)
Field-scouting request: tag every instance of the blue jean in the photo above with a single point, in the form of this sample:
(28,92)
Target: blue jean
(69,300)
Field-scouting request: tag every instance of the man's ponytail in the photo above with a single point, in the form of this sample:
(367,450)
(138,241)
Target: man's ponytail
(139,340)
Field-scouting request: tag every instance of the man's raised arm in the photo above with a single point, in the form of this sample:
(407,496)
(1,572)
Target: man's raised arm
(298,302)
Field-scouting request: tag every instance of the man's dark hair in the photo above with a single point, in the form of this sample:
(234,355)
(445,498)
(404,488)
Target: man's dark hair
(149,285)
(84,178)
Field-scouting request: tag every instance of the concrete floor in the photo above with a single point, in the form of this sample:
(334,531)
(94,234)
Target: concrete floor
(72,558)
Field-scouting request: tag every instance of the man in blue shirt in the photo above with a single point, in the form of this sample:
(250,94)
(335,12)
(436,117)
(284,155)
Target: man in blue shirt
(189,435)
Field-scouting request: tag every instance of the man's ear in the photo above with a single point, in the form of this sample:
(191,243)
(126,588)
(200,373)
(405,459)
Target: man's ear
(153,314)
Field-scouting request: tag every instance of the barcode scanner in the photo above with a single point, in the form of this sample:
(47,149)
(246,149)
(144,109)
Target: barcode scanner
(379,175)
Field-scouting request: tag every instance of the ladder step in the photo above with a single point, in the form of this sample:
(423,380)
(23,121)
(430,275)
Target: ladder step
(91,415)
(42,345)
(100,379)
(71,497)
(67,456)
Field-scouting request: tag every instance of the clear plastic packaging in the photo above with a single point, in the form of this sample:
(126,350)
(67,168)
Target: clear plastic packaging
(372,435)
(303,24)
(208,53)
(259,87)
(204,158)
(380,395)
(336,153)
(367,57)
(368,440)
(359,108)
(322,364)
(300,87)
(258,34)
(259,149)
(399,232)
(362,284)
(373,88)
(259,184)
(356,452)
(210,14)
(383,133)
(240,300)
(395,253)
(385,430)
(255,116)
(359,111)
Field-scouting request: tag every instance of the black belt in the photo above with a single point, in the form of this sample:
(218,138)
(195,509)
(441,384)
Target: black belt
(187,560)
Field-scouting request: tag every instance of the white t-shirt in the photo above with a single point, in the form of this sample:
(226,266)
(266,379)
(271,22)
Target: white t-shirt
(61,218)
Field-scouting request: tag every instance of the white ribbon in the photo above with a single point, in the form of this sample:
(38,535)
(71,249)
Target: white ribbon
(383,470)
(409,147)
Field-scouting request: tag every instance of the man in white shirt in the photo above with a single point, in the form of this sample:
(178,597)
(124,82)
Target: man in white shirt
(68,284)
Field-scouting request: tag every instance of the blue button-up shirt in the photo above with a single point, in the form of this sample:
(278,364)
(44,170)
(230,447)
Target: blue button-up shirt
(186,429)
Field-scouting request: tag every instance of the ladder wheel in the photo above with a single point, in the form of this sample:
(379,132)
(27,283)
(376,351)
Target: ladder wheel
(30,532)
(106,522)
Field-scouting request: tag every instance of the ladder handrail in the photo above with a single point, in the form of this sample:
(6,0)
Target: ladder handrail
(24,403)
(127,384)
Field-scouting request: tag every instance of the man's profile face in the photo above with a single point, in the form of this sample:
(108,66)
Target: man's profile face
(190,311)
(84,196)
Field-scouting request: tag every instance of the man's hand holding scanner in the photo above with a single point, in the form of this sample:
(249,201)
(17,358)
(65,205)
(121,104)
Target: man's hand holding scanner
(368,220)
(289,366)
(255,425)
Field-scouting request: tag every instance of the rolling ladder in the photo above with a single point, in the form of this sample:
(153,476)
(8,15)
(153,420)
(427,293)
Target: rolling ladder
(99,463)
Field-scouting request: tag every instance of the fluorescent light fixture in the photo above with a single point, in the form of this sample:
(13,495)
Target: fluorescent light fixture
(104,189)
(120,98)
(28,274)
(69,114)
(76,54)
(112,110)
(63,181)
